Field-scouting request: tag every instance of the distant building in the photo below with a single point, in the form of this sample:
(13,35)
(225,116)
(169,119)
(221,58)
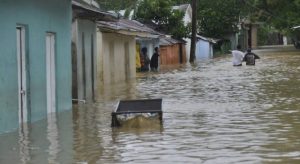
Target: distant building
(204,48)
(35,65)
(187,10)
(187,19)
(248,34)
(172,51)
(122,13)
(296,37)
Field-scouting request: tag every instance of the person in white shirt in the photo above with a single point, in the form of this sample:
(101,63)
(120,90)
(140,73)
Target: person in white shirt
(237,56)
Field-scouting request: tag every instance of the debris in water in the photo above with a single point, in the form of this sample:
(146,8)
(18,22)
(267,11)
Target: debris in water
(137,113)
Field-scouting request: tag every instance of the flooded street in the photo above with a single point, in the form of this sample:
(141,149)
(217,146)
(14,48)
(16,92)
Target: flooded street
(213,113)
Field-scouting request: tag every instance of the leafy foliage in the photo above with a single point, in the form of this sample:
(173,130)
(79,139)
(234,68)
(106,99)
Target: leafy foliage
(178,2)
(157,10)
(218,17)
(280,14)
(160,12)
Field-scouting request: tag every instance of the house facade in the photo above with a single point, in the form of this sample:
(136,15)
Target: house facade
(84,49)
(187,10)
(116,54)
(248,34)
(83,63)
(35,65)
(187,19)
(204,48)
(172,51)
(116,57)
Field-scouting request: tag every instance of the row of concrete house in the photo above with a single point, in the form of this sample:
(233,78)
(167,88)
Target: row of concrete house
(59,51)
(55,52)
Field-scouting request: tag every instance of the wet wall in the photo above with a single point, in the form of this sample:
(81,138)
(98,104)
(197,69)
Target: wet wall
(38,17)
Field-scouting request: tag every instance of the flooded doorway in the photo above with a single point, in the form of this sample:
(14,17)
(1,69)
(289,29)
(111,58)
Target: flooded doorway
(50,72)
(21,57)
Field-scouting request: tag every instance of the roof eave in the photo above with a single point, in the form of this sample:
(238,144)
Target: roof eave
(129,32)
(92,13)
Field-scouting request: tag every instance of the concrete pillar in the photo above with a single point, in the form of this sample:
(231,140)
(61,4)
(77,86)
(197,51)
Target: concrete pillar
(254,36)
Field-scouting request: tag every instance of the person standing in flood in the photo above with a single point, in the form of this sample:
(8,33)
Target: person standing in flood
(154,60)
(250,57)
(237,56)
(137,58)
(145,61)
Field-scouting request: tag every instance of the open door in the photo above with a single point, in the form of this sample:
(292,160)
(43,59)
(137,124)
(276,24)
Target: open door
(50,72)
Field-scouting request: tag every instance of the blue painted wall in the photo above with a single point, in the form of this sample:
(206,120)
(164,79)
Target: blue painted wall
(39,17)
(203,50)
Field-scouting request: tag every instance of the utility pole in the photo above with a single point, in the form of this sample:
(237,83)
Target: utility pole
(194,31)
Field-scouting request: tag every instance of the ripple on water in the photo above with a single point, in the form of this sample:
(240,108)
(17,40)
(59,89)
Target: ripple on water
(213,113)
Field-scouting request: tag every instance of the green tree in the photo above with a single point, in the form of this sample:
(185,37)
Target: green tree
(160,12)
(281,14)
(218,17)
(178,2)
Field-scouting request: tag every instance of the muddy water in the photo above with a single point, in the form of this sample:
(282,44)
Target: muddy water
(213,113)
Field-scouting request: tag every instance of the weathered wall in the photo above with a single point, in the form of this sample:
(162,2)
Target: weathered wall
(203,50)
(116,57)
(84,37)
(171,54)
(188,48)
(39,17)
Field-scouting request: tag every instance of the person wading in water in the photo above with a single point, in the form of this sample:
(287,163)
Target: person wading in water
(250,57)
(154,60)
(237,56)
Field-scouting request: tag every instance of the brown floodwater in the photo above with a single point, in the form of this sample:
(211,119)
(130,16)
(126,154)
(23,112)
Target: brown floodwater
(213,113)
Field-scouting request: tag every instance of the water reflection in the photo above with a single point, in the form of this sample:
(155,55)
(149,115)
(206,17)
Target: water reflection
(138,126)
(24,144)
(87,136)
(52,136)
(213,113)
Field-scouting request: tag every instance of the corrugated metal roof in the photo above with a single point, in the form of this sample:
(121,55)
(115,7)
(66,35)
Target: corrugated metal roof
(169,41)
(182,7)
(211,40)
(127,25)
(92,11)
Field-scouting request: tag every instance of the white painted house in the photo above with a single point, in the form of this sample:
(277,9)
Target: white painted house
(187,9)
(204,46)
